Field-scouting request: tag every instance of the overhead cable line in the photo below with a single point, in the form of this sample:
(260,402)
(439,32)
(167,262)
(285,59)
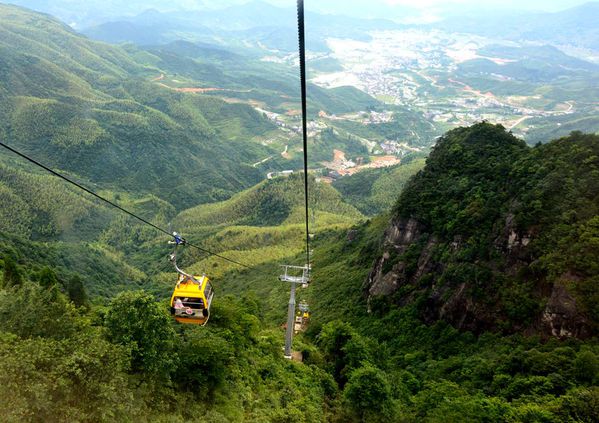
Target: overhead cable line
(293,278)
(141,219)
(302,63)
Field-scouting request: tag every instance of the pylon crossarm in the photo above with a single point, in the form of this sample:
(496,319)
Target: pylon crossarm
(295,278)
(292,279)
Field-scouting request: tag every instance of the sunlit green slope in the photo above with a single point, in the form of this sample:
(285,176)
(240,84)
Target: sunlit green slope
(263,225)
(374,191)
(92,109)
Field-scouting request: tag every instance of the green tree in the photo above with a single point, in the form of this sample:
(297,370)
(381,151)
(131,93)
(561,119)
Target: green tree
(580,405)
(12,273)
(136,320)
(76,292)
(344,348)
(81,379)
(47,278)
(333,338)
(586,367)
(33,311)
(203,361)
(470,409)
(368,394)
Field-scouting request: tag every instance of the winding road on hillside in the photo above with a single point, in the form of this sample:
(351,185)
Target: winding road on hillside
(519,121)
(262,161)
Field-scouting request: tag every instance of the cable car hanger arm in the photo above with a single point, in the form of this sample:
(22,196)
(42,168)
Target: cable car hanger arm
(179,240)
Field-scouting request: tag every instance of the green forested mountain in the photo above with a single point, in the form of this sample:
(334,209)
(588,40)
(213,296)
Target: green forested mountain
(207,65)
(100,101)
(264,225)
(492,237)
(93,110)
(527,64)
(488,213)
(271,203)
(42,207)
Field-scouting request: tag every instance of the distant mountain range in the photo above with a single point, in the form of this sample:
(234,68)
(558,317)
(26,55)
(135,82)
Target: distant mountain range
(259,23)
(266,26)
(576,26)
(256,22)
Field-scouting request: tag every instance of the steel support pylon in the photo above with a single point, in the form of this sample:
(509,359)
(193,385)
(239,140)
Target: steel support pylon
(293,280)
(290,322)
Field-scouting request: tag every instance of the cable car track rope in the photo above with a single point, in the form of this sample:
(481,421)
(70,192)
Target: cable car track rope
(302,63)
(105,200)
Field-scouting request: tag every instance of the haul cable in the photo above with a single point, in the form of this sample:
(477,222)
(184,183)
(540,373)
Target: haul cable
(302,63)
(141,219)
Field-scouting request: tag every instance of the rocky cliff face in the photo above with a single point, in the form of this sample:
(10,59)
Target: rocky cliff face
(421,277)
(398,238)
(561,316)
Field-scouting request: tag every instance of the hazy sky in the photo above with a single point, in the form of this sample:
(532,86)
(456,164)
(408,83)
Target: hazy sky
(90,11)
(544,5)
(332,6)
(427,9)
(417,11)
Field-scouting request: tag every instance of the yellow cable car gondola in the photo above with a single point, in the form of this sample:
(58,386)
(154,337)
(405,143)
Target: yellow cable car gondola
(192,296)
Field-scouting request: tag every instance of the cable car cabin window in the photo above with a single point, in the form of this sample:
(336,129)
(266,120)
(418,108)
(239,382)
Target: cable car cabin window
(195,303)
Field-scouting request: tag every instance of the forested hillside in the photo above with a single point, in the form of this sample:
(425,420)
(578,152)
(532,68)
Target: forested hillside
(475,299)
(69,100)
(374,191)
(206,65)
(367,356)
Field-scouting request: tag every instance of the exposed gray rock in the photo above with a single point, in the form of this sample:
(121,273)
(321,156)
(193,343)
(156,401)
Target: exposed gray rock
(398,237)
(454,302)
(561,317)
